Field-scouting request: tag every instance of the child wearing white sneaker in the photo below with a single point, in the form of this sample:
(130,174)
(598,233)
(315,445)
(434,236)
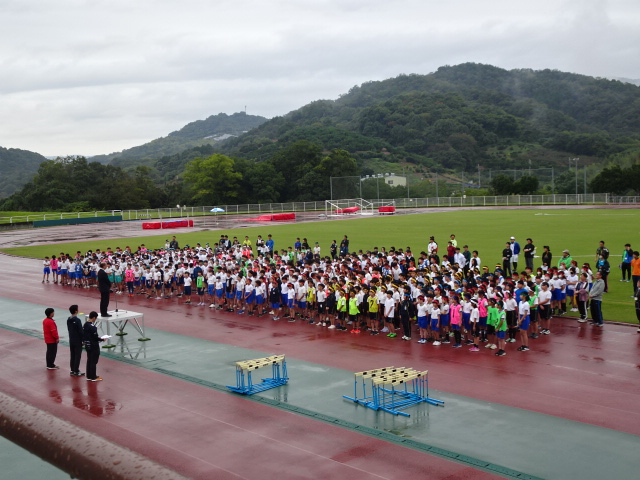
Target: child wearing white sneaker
(435,322)
(423,323)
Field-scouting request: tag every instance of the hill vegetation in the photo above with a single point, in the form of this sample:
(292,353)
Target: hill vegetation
(194,134)
(17,167)
(459,119)
(462,116)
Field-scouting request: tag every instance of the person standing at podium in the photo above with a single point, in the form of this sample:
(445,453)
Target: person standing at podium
(104,286)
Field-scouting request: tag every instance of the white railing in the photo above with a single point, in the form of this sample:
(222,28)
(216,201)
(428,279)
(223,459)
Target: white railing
(319,206)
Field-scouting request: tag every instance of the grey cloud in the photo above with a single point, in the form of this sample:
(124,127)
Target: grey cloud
(99,76)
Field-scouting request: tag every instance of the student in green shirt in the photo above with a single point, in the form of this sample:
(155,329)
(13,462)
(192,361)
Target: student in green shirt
(501,329)
(341,305)
(533,304)
(353,312)
(493,315)
(200,287)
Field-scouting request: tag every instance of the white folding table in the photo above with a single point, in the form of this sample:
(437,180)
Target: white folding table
(120,319)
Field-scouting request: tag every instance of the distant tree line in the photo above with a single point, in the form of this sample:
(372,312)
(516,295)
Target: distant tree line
(301,172)
(617,180)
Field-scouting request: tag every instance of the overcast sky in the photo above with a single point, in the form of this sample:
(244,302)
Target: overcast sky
(98,76)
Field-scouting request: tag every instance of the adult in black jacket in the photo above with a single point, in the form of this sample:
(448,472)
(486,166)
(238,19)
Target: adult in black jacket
(529,251)
(92,345)
(344,247)
(507,253)
(104,286)
(406,311)
(547,256)
(74,325)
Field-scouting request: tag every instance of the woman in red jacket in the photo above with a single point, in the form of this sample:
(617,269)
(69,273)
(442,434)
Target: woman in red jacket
(51,338)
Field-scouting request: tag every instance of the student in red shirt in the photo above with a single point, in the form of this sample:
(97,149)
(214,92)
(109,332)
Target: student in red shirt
(51,338)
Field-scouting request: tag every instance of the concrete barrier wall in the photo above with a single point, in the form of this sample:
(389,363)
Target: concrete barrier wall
(78,452)
(77,221)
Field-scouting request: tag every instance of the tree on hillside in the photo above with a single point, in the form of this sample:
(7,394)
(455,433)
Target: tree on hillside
(316,184)
(213,180)
(261,182)
(502,185)
(617,180)
(294,162)
(526,185)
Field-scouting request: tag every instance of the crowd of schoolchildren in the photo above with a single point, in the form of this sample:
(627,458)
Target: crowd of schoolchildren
(445,297)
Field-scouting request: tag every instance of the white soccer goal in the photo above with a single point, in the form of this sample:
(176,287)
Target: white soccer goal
(349,206)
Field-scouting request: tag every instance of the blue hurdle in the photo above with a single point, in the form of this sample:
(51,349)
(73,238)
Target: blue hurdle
(392,389)
(244,382)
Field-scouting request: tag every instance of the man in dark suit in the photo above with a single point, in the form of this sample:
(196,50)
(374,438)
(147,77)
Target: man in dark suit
(92,345)
(104,286)
(74,325)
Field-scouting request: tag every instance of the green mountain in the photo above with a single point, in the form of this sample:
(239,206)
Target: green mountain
(460,117)
(194,134)
(17,167)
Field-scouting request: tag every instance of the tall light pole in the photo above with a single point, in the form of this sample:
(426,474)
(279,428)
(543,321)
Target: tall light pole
(575,160)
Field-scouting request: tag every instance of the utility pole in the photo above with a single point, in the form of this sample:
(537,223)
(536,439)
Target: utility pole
(437,191)
(575,160)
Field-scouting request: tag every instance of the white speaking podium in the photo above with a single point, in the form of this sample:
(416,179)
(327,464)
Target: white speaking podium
(120,319)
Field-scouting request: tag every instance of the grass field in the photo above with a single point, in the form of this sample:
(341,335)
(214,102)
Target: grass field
(484,230)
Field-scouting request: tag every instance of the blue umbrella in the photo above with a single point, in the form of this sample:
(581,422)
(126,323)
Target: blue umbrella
(217,210)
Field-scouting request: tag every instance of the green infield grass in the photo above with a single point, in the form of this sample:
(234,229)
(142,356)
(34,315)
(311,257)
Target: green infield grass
(579,231)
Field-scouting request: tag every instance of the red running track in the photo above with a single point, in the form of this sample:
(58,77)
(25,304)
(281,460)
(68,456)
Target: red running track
(205,434)
(578,372)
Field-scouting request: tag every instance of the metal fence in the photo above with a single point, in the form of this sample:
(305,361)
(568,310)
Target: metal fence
(319,206)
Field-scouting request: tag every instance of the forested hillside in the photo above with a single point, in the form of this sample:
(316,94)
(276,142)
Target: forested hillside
(17,167)
(194,134)
(451,124)
(462,116)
